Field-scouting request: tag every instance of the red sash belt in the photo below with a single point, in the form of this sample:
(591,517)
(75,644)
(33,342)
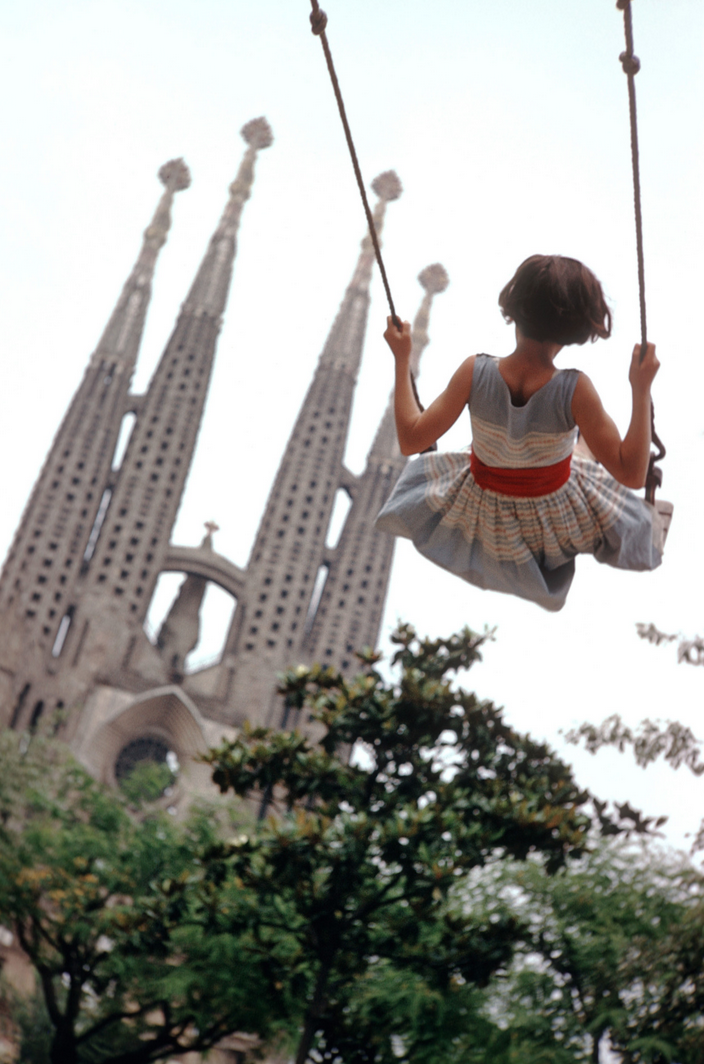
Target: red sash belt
(538,480)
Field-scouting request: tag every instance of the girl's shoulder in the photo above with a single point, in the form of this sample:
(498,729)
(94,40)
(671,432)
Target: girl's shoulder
(462,379)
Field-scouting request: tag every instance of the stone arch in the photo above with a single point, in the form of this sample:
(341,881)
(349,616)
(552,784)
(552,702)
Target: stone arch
(200,561)
(205,563)
(166,714)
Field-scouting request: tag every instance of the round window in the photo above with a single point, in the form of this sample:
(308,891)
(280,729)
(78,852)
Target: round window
(145,749)
(146,770)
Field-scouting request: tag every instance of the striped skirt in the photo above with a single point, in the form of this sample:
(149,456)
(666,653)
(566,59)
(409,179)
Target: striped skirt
(520,546)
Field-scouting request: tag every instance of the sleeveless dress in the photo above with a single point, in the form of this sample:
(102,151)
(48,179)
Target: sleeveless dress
(522,546)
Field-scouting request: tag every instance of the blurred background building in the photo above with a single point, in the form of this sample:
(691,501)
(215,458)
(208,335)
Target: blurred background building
(75,590)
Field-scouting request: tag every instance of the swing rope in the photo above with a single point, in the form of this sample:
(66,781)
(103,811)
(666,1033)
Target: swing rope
(318,22)
(631,66)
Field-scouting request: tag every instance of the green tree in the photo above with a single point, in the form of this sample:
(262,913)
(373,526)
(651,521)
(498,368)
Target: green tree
(349,883)
(610,953)
(106,909)
(147,782)
(671,1010)
(355,921)
(33,1024)
(598,960)
(668,1023)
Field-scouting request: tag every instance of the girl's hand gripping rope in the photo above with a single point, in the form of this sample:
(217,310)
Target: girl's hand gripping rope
(643,370)
(625,459)
(399,341)
(418,429)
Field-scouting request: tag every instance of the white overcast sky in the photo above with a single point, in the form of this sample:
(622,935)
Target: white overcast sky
(508,126)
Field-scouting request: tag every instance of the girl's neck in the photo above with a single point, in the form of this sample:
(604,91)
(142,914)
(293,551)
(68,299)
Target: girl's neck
(536,352)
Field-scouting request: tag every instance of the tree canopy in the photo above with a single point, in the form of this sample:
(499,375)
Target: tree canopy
(353,875)
(126,975)
(437,897)
(604,958)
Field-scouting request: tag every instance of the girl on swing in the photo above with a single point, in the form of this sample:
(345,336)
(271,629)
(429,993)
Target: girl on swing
(512,514)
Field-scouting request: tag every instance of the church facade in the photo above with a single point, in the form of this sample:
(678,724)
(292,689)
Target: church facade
(95,536)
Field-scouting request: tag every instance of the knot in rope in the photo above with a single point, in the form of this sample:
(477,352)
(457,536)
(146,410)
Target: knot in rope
(630,63)
(318,20)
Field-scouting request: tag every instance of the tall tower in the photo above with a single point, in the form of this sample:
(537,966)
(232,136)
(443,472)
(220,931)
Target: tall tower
(270,622)
(41,572)
(349,613)
(135,537)
(94,539)
(103,534)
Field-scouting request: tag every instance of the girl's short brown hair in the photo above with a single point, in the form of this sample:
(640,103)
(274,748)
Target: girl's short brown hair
(551,297)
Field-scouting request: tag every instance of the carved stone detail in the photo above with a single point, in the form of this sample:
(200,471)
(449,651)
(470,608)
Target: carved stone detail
(180,632)
(387,186)
(434,278)
(175,175)
(257,133)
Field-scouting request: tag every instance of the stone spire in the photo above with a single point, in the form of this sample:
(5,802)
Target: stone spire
(351,605)
(44,563)
(123,332)
(289,548)
(148,490)
(208,294)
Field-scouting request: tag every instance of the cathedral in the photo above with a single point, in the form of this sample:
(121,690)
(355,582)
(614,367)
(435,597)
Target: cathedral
(75,661)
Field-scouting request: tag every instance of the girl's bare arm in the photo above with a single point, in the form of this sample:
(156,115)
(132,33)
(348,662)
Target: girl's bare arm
(626,459)
(417,429)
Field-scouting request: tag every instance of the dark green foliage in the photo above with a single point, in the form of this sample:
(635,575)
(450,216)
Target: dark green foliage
(106,908)
(35,1027)
(666,1022)
(147,782)
(436,902)
(598,933)
(358,868)
(611,949)
(665,1019)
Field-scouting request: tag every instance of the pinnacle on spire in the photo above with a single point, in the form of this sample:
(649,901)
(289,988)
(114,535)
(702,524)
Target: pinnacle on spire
(387,186)
(433,279)
(342,342)
(257,133)
(123,333)
(175,175)
(208,294)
